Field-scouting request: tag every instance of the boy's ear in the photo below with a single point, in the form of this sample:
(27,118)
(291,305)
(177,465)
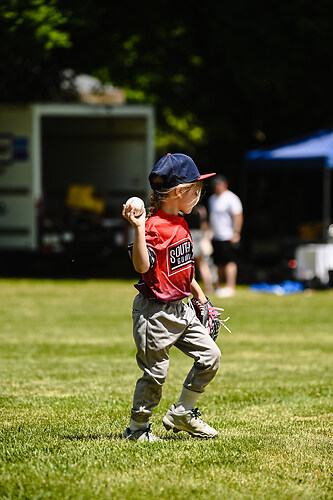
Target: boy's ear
(178,191)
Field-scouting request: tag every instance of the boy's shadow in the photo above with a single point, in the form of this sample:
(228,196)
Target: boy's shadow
(92,437)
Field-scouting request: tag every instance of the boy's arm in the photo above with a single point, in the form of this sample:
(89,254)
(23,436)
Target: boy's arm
(197,292)
(140,256)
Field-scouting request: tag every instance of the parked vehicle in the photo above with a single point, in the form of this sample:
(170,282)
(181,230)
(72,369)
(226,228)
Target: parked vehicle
(66,169)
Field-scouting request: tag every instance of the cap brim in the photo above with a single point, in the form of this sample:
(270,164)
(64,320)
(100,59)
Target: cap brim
(205,176)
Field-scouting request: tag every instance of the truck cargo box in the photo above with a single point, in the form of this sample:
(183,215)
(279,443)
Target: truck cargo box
(66,169)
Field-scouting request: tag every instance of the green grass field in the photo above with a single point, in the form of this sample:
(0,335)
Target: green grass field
(67,376)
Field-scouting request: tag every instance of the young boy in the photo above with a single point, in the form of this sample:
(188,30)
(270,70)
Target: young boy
(162,252)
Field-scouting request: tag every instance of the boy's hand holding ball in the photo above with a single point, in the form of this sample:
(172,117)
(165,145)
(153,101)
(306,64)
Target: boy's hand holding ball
(133,210)
(137,205)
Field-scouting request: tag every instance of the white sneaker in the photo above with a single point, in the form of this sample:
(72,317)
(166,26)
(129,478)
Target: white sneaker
(225,292)
(188,421)
(141,435)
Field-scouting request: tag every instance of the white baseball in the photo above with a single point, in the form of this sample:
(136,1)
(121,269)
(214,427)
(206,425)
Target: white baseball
(137,205)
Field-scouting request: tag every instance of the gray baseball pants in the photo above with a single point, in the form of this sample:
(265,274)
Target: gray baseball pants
(156,328)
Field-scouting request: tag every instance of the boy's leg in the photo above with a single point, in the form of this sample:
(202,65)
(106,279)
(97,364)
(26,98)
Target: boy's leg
(156,327)
(196,343)
(187,400)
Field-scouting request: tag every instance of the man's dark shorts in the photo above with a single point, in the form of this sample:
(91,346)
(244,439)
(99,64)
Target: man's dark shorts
(225,252)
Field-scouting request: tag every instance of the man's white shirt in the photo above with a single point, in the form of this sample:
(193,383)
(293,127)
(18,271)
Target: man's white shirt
(222,209)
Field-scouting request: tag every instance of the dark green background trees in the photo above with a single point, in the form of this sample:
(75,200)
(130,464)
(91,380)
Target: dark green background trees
(225,76)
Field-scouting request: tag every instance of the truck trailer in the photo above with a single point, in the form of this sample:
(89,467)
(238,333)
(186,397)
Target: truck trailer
(65,171)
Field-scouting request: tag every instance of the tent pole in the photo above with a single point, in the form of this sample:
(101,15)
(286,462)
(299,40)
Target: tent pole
(326,202)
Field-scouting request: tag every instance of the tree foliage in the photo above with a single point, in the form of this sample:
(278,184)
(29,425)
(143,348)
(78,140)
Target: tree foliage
(30,33)
(224,76)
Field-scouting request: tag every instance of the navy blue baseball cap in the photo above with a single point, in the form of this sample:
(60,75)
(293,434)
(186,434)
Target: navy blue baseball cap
(174,169)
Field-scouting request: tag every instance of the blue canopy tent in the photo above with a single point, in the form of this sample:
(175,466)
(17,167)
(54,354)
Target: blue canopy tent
(315,151)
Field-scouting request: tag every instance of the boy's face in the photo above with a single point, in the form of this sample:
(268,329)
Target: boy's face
(189,199)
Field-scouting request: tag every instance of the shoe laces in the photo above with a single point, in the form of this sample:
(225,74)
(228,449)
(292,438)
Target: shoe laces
(148,430)
(145,430)
(196,413)
(149,434)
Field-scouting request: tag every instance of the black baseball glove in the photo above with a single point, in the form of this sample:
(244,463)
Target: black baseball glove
(209,316)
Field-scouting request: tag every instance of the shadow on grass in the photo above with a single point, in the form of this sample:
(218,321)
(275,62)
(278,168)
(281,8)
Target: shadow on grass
(96,437)
(91,437)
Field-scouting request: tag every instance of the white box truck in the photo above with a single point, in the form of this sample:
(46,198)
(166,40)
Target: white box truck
(66,169)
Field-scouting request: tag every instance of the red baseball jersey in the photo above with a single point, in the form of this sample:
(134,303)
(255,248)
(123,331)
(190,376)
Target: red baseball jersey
(170,249)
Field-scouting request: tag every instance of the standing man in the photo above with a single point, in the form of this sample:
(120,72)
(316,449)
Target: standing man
(226,221)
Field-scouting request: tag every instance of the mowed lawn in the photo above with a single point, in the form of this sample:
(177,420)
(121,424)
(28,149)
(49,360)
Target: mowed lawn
(67,374)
